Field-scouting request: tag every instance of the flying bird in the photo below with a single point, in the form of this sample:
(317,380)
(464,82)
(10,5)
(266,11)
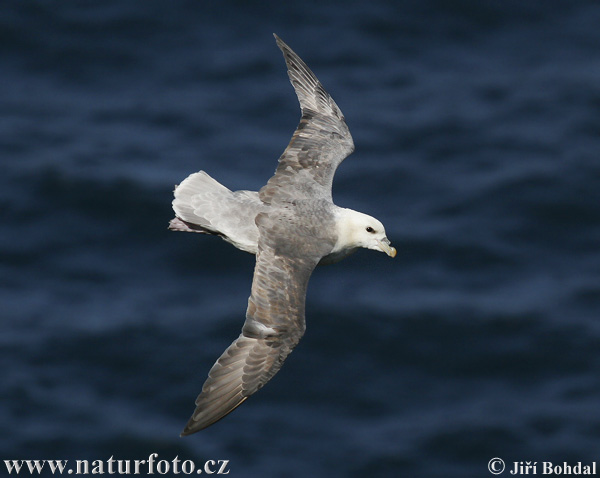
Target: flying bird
(291,225)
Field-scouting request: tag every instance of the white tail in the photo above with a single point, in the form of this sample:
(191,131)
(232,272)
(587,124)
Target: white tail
(195,191)
(202,204)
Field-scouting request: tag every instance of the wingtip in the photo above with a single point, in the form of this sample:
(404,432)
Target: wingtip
(190,428)
(280,43)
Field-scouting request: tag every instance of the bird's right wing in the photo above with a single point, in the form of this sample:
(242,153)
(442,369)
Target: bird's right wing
(274,324)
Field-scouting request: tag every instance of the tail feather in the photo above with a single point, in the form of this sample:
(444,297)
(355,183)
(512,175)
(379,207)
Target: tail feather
(194,190)
(204,205)
(177,224)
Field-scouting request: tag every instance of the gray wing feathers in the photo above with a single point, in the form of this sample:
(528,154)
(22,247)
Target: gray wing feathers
(274,326)
(319,144)
(239,372)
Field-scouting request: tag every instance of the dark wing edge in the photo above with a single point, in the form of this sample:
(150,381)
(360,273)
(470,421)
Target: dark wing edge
(274,326)
(311,94)
(246,365)
(319,144)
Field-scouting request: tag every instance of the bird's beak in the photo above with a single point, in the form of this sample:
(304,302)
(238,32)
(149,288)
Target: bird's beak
(385,246)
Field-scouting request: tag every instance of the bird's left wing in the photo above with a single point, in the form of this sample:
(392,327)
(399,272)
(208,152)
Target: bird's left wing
(319,144)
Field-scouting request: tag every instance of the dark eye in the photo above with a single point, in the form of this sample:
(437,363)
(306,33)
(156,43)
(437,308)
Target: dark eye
(370,229)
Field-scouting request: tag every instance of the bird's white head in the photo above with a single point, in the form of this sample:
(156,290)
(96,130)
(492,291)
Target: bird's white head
(356,229)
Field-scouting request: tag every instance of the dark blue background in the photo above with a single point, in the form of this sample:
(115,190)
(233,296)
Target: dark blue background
(477,131)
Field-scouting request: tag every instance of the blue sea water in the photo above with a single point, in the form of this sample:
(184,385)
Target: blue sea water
(477,131)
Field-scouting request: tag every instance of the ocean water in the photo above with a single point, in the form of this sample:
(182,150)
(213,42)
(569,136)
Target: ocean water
(477,131)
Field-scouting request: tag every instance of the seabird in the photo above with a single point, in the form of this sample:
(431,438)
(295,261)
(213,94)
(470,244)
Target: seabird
(291,225)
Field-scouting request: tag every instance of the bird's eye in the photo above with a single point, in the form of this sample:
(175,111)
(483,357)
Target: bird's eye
(370,229)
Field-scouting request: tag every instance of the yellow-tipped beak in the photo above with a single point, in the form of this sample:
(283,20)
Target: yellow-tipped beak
(387,248)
